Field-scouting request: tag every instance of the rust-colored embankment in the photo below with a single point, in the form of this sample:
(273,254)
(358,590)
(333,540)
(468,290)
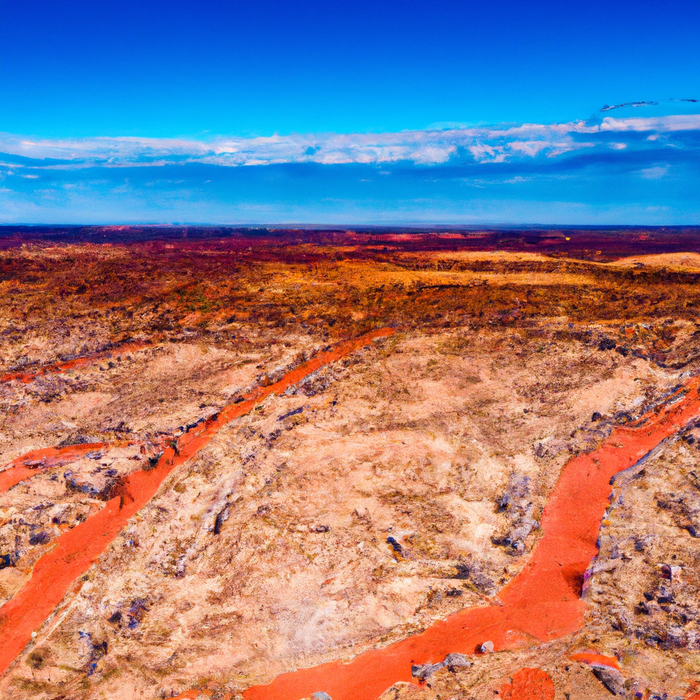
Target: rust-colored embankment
(30,464)
(542,603)
(529,684)
(57,367)
(594,659)
(78,548)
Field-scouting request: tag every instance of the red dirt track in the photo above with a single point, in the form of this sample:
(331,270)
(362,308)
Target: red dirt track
(33,462)
(541,604)
(77,549)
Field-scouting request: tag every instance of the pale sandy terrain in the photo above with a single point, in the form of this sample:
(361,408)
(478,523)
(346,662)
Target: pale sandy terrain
(414,440)
(362,505)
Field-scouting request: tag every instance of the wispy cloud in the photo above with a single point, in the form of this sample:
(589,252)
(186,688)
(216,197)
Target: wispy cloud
(655,172)
(625,165)
(494,144)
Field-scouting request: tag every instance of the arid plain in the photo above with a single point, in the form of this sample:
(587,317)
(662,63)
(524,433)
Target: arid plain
(356,465)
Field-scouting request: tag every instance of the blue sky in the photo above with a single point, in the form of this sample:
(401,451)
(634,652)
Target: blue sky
(462,111)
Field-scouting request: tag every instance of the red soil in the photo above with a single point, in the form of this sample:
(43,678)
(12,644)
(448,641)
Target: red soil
(57,367)
(77,549)
(542,603)
(529,684)
(594,659)
(30,464)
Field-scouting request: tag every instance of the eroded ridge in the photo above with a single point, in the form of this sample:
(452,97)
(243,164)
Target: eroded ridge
(78,548)
(541,604)
(31,373)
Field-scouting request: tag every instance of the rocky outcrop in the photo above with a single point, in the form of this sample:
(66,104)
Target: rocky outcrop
(519,510)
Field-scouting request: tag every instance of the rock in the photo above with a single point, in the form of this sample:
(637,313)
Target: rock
(518,487)
(423,672)
(295,412)
(321,696)
(611,678)
(519,509)
(462,571)
(452,662)
(137,610)
(395,546)
(115,618)
(672,573)
(694,478)
(455,661)
(221,518)
(486,648)
(39,538)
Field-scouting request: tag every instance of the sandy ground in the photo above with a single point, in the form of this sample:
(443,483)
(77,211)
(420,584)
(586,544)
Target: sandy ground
(359,507)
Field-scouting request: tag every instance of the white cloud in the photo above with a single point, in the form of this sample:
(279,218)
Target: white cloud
(486,144)
(528,148)
(656,172)
(673,122)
